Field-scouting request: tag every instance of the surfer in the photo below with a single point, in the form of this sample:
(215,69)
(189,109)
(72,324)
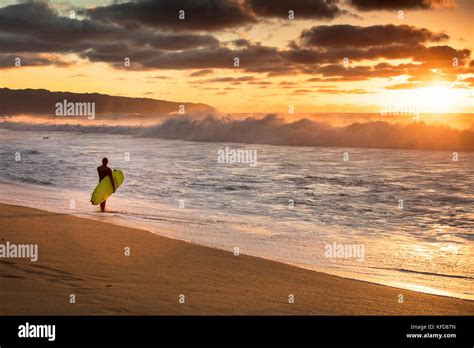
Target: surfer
(103,171)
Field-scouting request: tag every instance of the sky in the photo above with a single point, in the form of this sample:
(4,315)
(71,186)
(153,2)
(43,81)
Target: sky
(304,55)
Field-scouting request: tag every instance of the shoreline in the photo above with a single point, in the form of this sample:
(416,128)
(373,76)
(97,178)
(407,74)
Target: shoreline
(167,276)
(164,231)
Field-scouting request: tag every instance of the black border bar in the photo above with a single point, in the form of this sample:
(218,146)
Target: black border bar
(194,330)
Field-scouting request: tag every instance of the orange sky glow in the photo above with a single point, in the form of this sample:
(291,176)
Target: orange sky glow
(441,80)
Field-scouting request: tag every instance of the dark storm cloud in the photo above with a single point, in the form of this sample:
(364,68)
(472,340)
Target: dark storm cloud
(339,73)
(371,5)
(37,19)
(316,9)
(36,27)
(254,57)
(35,31)
(8,61)
(274,62)
(173,41)
(443,55)
(10,43)
(328,45)
(241,43)
(343,35)
(199,14)
(420,73)
(316,56)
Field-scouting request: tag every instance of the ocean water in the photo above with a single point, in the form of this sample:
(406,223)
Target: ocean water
(411,211)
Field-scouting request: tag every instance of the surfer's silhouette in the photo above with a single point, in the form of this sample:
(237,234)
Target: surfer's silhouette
(103,171)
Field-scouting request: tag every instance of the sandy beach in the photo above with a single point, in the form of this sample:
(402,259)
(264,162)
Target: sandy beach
(87,258)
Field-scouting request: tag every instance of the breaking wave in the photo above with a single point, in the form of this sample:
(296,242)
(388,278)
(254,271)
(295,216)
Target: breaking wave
(275,130)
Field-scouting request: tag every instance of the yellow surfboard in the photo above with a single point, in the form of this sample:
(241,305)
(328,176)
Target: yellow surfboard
(104,189)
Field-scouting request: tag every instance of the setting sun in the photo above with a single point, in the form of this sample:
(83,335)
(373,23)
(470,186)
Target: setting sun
(437,99)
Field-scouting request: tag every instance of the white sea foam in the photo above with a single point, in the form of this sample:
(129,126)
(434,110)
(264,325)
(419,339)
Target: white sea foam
(271,129)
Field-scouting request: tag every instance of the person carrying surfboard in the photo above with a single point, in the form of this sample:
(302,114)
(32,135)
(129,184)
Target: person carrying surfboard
(104,171)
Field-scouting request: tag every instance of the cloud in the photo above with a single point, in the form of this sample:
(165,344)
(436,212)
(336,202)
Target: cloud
(242,43)
(37,27)
(39,20)
(260,83)
(322,50)
(154,78)
(443,55)
(173,41)
(468,80)
(301,91)
(251,58)
(199,14)
(232,79)
(329,62)
(8,61)
(37,33)
(314,9)
(288,83)
(342,91)
(200,73)
(371,5)
(345,35)
(409,85)
(311,56)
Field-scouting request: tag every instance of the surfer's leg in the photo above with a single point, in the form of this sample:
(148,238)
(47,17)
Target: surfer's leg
(102,206)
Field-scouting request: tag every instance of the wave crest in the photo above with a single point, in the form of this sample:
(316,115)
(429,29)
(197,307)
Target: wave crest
(275,130)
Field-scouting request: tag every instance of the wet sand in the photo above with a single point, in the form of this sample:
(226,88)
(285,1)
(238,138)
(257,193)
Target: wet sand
(163,276)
